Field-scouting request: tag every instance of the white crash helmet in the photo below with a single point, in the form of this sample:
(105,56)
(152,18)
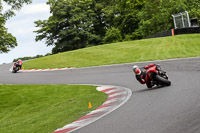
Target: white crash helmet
(136,70)
(134,67)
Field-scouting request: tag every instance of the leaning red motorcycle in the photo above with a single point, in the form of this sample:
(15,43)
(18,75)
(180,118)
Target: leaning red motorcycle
(157,77)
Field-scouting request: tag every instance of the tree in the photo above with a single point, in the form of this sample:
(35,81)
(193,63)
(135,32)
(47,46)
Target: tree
(112,35)
(14,5)
(193,6)
(7,41)
(78,23)
(71,25)
(125,17)
(156,15)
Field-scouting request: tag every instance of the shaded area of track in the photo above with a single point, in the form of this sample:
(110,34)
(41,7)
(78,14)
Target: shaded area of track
(163,110)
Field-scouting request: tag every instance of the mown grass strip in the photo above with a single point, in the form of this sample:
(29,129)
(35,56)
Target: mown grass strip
(44,108)
(179,46)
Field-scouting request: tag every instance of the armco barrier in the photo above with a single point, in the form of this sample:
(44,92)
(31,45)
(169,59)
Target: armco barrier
(161,34)
(190,30)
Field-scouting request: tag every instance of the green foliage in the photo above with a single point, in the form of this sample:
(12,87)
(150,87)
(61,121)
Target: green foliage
(128,23)
(7,40)
(179,46)
(28,58)
(156,15)
(134,36)
(15,5)
(135,3)
(193,6)
(44,108)
(112,35)
(70,27)
(78,24)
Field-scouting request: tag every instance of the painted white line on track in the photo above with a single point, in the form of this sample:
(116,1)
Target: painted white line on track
(54,69)
(139,62)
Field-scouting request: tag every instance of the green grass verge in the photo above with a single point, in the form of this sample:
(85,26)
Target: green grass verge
(43,109)
(179,46)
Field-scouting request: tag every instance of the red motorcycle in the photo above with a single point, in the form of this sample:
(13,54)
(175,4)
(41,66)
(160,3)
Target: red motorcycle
(157,76)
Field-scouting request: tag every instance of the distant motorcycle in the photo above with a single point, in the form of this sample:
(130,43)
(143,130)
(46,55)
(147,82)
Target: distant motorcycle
(157,76)
(16,68)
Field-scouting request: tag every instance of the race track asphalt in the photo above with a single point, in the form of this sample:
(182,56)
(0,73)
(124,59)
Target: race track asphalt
(174,109)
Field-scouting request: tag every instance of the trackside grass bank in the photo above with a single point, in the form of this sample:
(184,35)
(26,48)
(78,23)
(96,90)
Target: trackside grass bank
(43,109)
(179,46)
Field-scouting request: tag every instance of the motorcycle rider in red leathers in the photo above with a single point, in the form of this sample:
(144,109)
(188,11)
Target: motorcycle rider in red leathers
(140,74)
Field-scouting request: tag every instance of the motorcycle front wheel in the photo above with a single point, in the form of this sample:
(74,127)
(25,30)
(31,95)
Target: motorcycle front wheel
(162,80)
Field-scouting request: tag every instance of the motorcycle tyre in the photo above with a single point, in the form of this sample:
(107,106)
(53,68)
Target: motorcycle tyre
(14,71)
(163,80)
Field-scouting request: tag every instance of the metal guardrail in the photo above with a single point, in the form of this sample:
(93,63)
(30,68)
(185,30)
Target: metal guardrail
(189,30)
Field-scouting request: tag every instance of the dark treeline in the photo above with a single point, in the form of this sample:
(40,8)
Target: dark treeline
(30,57)
(78,24)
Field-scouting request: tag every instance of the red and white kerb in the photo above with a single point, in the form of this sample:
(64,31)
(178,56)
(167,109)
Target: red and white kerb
(117,96)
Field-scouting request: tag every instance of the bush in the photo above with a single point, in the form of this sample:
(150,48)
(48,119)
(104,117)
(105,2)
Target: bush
(128,37)
(134,36)
(112,35)
(27,58)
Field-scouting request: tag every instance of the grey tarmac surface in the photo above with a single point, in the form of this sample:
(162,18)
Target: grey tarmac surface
(174,109)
